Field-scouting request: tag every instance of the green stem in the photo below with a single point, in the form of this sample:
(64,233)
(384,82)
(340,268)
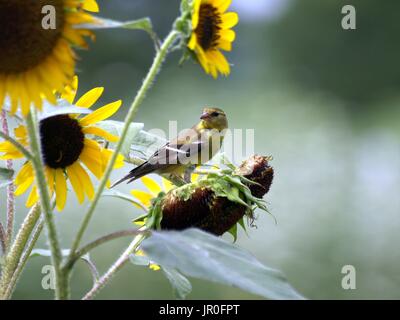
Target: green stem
(24,258)
(14,255)
(122,260)
(62,291)
(148,81)
(98,242)
(10,190)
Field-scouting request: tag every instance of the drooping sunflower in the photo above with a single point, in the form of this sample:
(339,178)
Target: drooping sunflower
(67,150)
(211,26)
(37,59)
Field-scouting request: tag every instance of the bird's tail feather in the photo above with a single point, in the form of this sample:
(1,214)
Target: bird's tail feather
(134,174)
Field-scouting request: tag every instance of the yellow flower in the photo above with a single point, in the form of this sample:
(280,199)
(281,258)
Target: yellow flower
(211,26)
(66,150)
(35,62)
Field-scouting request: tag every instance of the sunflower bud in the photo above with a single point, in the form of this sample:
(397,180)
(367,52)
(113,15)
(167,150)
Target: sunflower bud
(203,205)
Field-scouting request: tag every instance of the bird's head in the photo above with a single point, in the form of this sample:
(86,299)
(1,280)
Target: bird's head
(213,118)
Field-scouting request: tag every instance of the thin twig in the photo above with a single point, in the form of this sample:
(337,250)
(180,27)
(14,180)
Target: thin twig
(122,260)
(10,190)
(90,246)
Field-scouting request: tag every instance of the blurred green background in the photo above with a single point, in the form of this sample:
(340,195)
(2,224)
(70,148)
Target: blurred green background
(323,101)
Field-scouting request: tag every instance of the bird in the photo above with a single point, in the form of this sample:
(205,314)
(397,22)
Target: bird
(192,147)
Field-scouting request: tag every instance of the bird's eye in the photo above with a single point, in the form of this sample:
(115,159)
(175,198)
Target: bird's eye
(214,114)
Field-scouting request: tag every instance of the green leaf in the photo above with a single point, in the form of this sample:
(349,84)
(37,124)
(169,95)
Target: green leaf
(116,127)
(180,284)
(62,107)
(145,144)
(233,231)
(201,255)
(144,24)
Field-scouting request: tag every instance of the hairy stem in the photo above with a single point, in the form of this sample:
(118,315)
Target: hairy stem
(3,239)
(25,256)
(13,257)
(148,81)
(122,260)
(98,242)
(10,191)
(62,290)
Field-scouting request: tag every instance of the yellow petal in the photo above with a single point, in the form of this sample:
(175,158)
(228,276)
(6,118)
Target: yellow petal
(223,5)
(220,61)
(195,177)
(92,160)
(91,5)
(76,183)
(61,189)
(151,185)
(50,179)
(100,133)
(85,179)
(195,14)
(167,185)
(8,147)
(154,267)
(227,35)
(25,172)
(90,98)
(22,187)
(20,132)
(101,114)
(143,197)
(225,45)
(70,91)
(33,197)
(229,20)
(192,42)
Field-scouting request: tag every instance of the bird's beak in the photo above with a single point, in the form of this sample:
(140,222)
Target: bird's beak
(204,116)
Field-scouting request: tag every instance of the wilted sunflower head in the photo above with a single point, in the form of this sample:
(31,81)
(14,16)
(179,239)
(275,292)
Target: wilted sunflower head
(211,32)
(67,149)
(36,58)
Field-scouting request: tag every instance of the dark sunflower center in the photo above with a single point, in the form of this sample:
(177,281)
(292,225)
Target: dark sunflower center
(24,43)
(62,141)
(208,28)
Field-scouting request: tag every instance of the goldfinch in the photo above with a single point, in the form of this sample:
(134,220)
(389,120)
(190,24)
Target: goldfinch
(192,147)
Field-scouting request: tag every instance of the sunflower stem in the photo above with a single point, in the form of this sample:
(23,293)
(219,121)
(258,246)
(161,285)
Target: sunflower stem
(98,242)
(122,260)
(147,83)
(62,290)
(13,257)
(10,192)
(24,258)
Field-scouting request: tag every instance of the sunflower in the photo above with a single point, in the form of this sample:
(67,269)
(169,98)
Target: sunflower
(211,26)
(36,61)
(67,150)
